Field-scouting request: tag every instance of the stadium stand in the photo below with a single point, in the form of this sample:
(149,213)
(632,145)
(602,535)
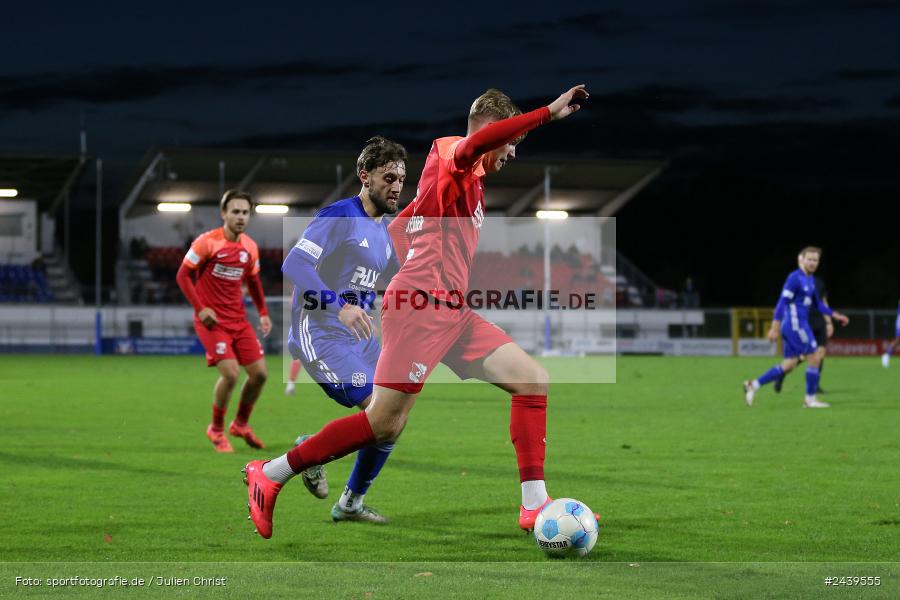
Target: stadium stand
(151,273)
(34,265)
(571,272)
(306,181)
(24,283)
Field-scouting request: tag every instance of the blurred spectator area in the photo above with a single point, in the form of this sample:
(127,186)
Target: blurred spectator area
(152,276)
(25,283)
(570,273)
(152,270)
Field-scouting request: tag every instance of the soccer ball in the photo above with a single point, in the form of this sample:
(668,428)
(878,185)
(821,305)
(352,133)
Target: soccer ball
(566,526)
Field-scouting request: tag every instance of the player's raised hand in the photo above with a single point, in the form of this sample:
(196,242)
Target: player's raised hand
(841,318)
(265,325)
(564,106)
(208,317)
(356,320)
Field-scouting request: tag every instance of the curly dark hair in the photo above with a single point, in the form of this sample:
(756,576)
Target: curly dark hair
(378,152)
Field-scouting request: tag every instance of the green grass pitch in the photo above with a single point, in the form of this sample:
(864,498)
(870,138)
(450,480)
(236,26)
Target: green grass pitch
(105,463)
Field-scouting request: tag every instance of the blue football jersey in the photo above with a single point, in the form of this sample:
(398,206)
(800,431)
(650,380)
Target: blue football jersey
(351,252)
(797,296)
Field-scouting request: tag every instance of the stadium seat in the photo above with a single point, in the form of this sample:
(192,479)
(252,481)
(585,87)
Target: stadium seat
(22,283)
(164,262)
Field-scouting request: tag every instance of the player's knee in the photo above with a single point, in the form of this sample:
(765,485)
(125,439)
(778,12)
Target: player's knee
(259,377)
(393,431)
(388,428)
(536,382)
(541,377)
(229,376)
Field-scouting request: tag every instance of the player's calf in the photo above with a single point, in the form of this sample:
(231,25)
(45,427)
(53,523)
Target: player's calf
(387,413)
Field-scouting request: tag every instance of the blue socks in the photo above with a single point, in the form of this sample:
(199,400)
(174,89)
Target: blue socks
(771,375)
(812,381)
(369,461)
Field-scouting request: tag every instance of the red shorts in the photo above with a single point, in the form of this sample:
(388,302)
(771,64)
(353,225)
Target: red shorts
(414,341)
(229,341)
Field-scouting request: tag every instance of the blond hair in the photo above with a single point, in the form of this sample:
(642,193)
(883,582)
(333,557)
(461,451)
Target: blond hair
(493,103)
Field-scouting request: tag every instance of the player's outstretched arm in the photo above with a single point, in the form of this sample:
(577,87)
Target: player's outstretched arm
(565,105)
(504,131)
(493,136)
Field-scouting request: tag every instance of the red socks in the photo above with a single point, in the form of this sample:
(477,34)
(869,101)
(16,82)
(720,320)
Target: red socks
(338,438)
(218,418)
(528,431)
(243,413)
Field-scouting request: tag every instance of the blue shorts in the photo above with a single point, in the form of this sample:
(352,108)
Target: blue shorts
(797,342)
(345,370)
(897,328)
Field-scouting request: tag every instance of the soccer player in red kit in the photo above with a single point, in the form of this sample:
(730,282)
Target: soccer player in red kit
(437,234)
(223,259)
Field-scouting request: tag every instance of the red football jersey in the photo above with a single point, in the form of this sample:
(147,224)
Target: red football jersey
(439,230)
(221,268)
(443,223)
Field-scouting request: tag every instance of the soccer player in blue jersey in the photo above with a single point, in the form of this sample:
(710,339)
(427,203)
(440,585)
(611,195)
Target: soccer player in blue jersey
(822,328)
(792,322)
(886,357)
(335,266)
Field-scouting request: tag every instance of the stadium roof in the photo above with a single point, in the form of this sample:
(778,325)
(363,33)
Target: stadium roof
(42,178)
(307,180)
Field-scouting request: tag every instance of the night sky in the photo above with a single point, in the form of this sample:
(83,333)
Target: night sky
(780,119)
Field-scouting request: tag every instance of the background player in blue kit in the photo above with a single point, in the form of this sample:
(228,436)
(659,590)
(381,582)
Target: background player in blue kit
(886,357)
(792,321)
(822,328)
(344,253)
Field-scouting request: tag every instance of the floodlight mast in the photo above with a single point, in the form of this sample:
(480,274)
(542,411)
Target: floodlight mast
(547,329)
(98,261)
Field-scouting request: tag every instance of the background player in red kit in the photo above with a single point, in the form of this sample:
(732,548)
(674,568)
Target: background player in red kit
(437,234)
(223,259)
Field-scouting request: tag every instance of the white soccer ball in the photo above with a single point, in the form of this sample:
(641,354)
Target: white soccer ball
(566,527)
